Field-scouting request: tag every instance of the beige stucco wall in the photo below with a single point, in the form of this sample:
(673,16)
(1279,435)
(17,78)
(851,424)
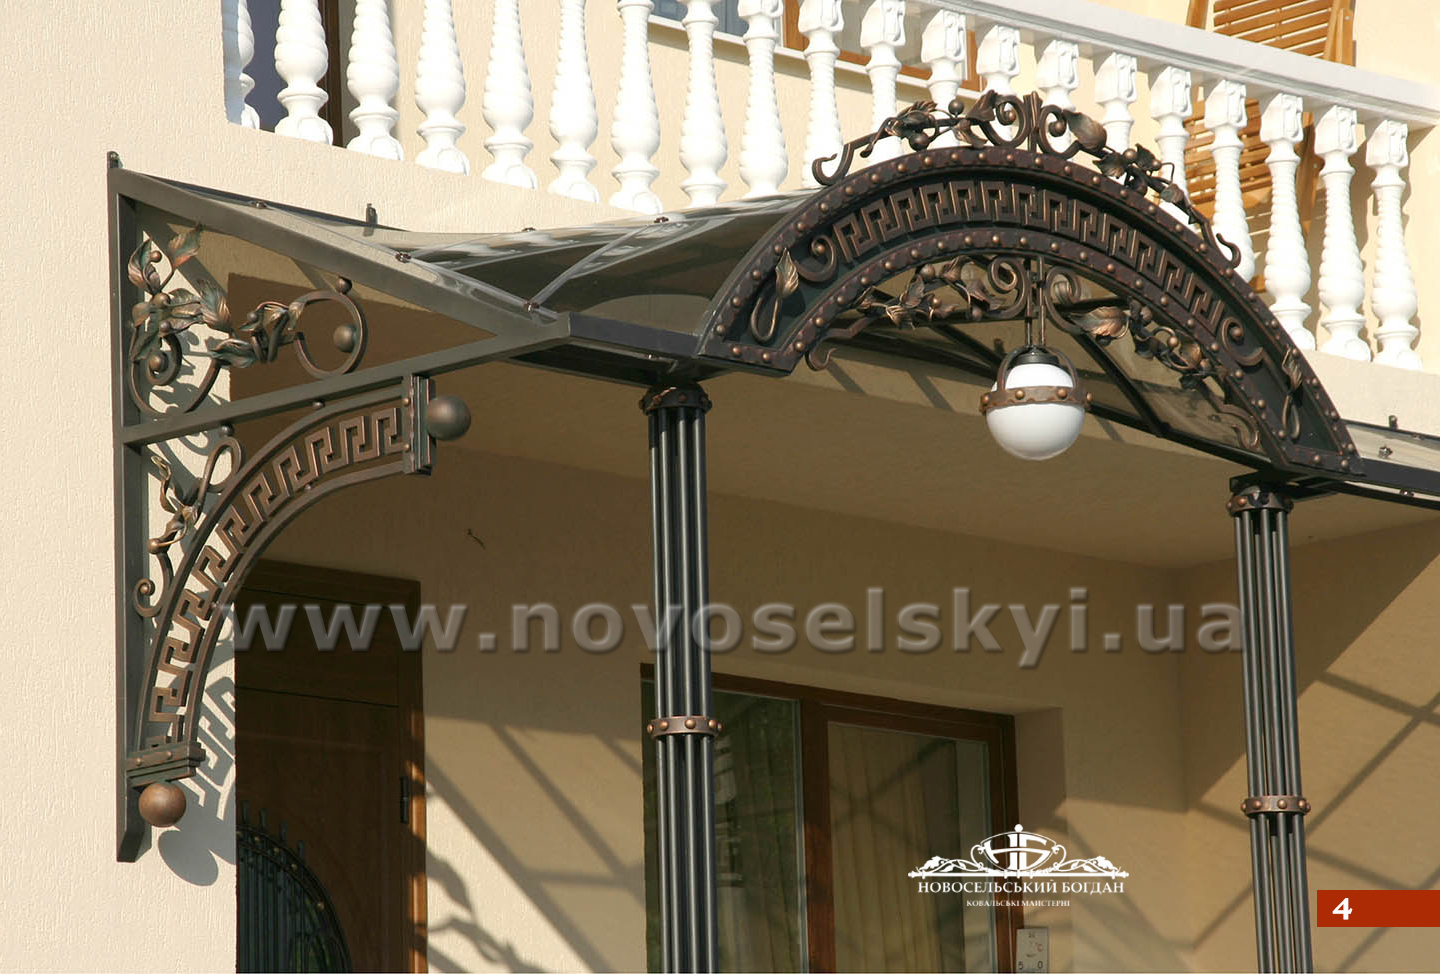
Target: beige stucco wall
(1369,686)
(535,843)
(534,827)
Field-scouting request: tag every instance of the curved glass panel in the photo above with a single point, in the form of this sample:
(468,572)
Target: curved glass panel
(614,268)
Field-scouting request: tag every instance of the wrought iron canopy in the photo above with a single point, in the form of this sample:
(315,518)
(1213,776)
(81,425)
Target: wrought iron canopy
(1006,223)
(1006,212)
(999,211)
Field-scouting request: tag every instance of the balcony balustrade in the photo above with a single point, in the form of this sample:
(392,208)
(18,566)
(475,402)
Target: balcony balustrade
(1139,76)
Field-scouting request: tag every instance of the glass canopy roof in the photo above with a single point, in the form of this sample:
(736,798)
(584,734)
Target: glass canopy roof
(587,269)
(642,278)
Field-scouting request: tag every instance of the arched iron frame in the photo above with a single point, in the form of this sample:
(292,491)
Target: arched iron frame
(1007,194)
(1000,185)
(286,919)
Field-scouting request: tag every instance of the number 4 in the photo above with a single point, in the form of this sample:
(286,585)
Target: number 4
(1342,909)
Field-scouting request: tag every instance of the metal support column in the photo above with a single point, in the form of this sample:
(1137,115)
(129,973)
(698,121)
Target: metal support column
(1276,806)
(684,727)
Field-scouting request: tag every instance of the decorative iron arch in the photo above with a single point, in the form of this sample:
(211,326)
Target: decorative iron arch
(175,588)
(1010,201)
(285,918)
(356,440)
(385,432)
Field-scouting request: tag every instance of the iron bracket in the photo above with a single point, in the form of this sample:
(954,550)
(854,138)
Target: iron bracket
(1255,497)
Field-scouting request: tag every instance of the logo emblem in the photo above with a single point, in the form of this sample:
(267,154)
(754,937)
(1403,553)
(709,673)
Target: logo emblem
(1018,855)
(1018,851)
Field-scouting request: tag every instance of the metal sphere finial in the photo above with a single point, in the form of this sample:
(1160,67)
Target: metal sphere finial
(447,417)
(162,803)
(346,336)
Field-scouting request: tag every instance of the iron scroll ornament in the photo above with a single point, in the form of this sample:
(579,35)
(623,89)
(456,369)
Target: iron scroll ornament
(1017,228)
(385,432)
(155,357)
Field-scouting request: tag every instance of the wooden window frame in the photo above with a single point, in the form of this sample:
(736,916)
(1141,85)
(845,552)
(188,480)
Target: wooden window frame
(818,708)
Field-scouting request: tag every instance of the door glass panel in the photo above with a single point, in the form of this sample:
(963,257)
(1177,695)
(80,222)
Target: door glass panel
(896,800)
(757,835)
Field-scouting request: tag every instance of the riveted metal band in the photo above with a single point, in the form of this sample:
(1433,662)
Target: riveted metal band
(1019,396)
(163,763)
(684,724)
(1278,804)
(1255,498)
(674,397)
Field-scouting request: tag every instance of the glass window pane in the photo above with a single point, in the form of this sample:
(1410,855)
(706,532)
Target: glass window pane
(757,835)
(727,13)
(897,799)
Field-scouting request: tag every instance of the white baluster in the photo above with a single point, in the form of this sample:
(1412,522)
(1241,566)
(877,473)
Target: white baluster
(763,159)
(1115,92)
(1225,117)
(1170,106)
(1392,290)
(882,30)
(237,41)
(1057,73)
(635,131)
(508,105)
(373,76)
(997,59)
(573,119)
(943,48)
(440,90)
(702,130)
(820,21)
(1287,265)
(248,116)
(1342,275)
(301,59)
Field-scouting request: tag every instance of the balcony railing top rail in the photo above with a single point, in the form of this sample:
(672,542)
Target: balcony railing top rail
(1099,30)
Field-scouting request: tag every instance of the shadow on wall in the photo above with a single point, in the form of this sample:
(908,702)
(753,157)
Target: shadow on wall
(464,922)
(1369,691)
(536,885)
(204,839)
(1110,943)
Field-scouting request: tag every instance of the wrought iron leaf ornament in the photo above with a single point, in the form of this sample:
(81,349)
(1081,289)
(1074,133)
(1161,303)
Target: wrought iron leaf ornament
(186,506)
(787,282)
(1293,367)
(1183,354)
(163,313)
(1104,324)
(157,354)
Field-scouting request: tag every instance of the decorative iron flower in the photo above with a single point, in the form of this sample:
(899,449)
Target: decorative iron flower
(163,313)
(264,331)
(1104,324)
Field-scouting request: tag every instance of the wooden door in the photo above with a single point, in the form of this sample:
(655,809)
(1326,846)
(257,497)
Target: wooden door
(329,745)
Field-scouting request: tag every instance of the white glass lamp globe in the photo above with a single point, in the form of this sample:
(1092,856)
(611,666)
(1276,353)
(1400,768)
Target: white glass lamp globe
(1041,427)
